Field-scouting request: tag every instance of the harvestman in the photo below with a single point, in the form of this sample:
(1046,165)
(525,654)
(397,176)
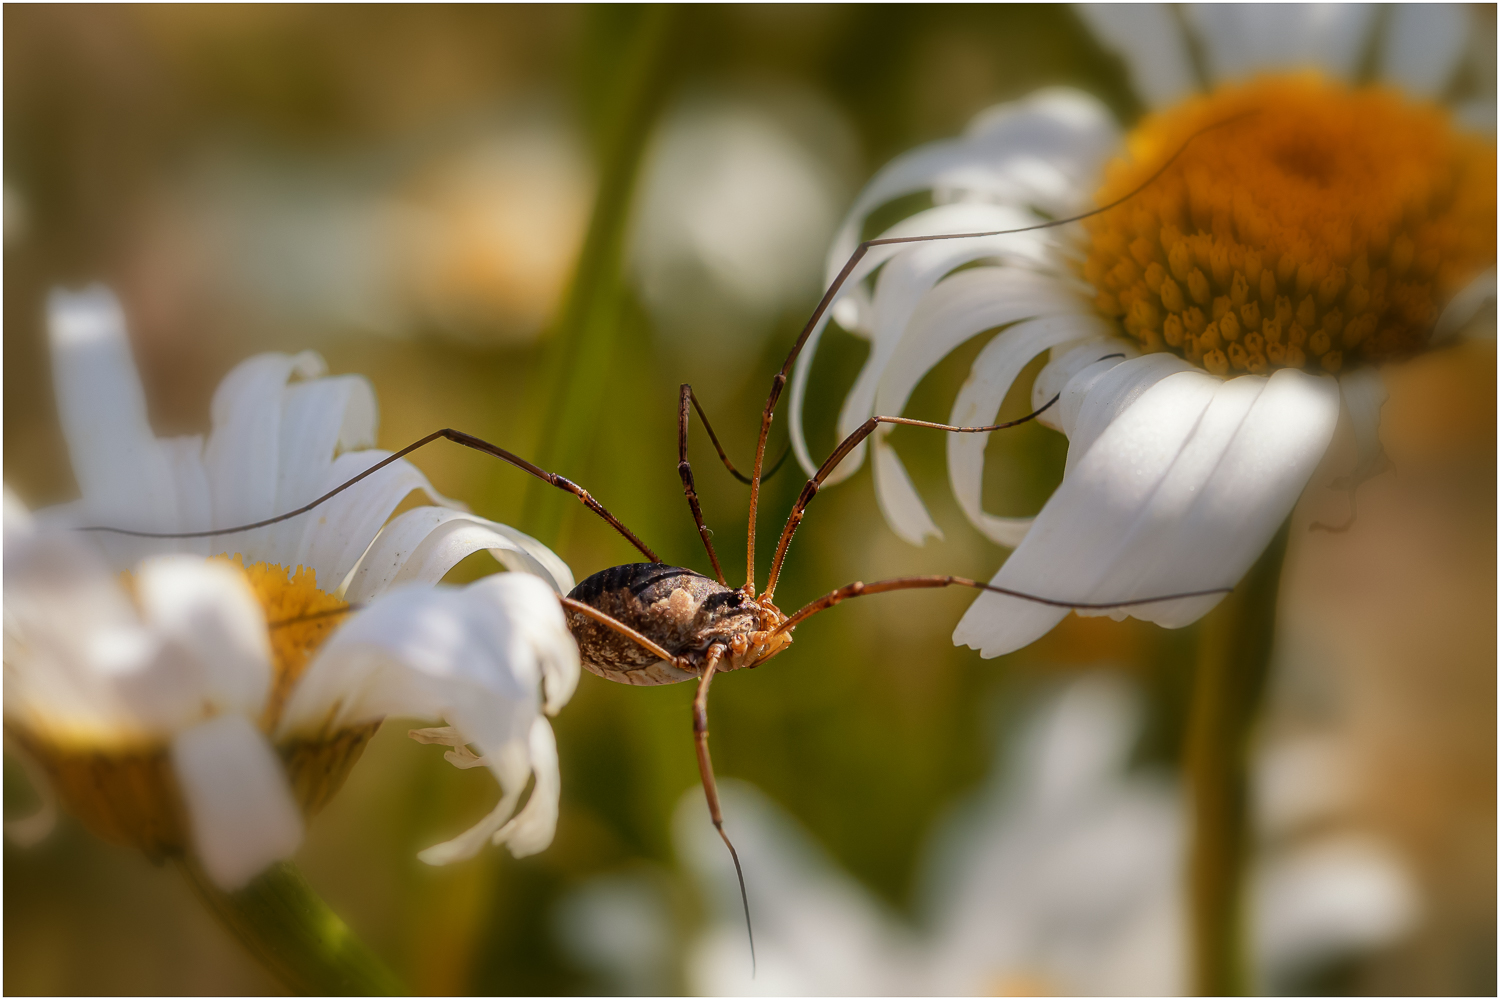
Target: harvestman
(649,623)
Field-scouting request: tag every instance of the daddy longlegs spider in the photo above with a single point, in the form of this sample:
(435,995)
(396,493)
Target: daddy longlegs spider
(649,623)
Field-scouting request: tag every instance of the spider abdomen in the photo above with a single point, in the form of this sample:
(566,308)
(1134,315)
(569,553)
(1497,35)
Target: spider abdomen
(682,611)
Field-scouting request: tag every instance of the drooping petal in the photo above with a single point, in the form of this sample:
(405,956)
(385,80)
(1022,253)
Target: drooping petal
(1423,45)
(124,474)
(1103,398)
(1180,492)
(423,544)
(1150,40)
(239,807)
(243,452)
(336,535)
(901,296)
(531,830)
(318,418)
(480,658)
(909,275)
(208,610)
(1242,39)
(990,379)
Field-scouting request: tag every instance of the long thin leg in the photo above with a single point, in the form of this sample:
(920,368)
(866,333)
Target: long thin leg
(448,434)
(845,447)
(710,788)
(858,589)
(685,470)
(778,382)
(723,456)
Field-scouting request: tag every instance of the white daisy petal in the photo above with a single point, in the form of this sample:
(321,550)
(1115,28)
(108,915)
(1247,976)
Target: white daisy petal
(1100,398)
(1241,39)
(1066,361)
(1150,40)
(531,830)
(125,477)
(239,806)
(989,381)
(423,544)
(194,499)
(1077,534)
(208,609)
(909,275)
(242,456)
(1182,492)
(1423,45)
(476,658)
(336,535)
(318,418)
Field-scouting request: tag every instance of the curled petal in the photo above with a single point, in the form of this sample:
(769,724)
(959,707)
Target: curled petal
(424,543)
(239,807)
(336,535)
(978,402)
(531,829)
(487,659)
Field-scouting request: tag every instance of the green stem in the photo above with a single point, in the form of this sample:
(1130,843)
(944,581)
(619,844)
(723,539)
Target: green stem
(579,362)
(294,934)
(1233,656)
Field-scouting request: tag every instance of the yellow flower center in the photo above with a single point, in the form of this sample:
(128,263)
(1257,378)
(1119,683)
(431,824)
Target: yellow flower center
(130,796)
(1318,226)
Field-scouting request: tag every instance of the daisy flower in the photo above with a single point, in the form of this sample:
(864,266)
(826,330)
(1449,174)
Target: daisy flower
(1280,237)
(210,699)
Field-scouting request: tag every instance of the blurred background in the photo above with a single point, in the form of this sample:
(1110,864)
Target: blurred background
(406,190)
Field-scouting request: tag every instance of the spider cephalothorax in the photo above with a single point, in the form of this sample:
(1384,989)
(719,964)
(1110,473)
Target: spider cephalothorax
(685,612)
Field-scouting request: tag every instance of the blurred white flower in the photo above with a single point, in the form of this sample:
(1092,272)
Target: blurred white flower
(1241,258)
(212,662)
(740,191)
(1063,876)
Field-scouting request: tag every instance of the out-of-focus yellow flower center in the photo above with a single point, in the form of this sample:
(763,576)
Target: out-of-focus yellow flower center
(299,616)
(130,796)
(1321,226)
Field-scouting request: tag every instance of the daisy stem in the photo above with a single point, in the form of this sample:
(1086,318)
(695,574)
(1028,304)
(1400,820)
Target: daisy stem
(1234,654)
(579,365)
(294,934)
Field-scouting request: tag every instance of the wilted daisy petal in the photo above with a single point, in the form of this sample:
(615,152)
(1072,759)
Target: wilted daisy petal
(239,808)
(478,658)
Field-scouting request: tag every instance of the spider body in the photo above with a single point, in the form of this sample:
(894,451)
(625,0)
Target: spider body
(680,610)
